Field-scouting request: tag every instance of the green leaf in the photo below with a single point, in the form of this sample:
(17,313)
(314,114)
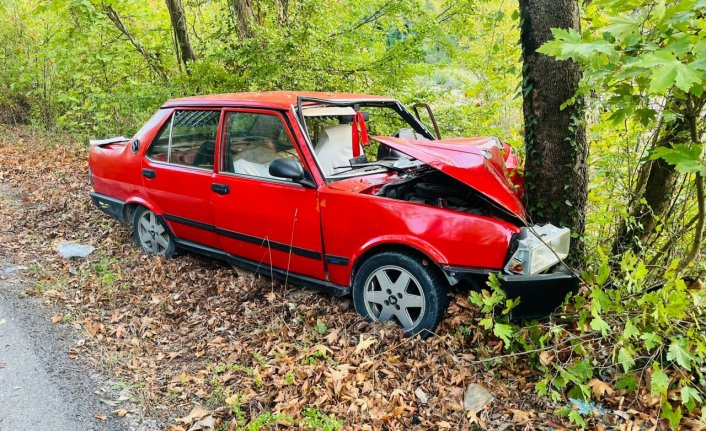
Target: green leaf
(663,78)
(504,332)
(628,382)
(678,352)
(687,76)
(321,327)
(673,415)
(626,358)
(689,397)
(568,44)
(582,370)
(623,26)
(598,324)
(685,159)
(576,418)
(630,330)
(651,340)
(659,382)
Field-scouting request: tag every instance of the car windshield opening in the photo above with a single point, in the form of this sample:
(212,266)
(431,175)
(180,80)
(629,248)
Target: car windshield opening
(331,133)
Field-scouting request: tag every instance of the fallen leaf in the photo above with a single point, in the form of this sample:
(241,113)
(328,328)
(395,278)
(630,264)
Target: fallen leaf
(196,413)
(121,412)
(546,357)
(56,318)
(520,417)
(206,423)
(600,388)
(101,417)
(364,344)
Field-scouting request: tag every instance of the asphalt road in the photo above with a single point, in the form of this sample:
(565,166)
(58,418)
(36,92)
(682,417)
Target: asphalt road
(41,388)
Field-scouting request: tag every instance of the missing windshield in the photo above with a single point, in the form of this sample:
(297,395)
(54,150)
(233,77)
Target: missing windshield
(342,134)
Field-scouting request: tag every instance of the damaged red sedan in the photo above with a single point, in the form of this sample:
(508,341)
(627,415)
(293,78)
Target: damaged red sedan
(344,193)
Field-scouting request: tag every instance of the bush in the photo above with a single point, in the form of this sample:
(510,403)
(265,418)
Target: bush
(646,342)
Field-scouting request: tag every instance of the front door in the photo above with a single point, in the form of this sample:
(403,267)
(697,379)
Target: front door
(270,221)
(177,173)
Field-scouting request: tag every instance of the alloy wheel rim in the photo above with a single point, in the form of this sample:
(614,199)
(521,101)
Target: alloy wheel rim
(392,292)
(153,236)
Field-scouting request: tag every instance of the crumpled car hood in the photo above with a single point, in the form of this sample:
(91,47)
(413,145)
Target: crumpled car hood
(477,162)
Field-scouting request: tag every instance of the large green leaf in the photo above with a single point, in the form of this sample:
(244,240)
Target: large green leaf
(679,353)
(659,382)
(686,159)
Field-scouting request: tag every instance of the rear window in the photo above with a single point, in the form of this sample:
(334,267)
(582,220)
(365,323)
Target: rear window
(188,139)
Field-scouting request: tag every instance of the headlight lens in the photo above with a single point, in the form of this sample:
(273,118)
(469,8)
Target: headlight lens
(540,248)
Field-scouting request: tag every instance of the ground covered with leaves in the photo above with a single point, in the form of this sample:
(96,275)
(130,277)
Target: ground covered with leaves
(195,340)
(202,346)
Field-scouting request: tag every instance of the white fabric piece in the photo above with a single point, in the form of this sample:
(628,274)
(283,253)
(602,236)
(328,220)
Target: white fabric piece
(335,148)
(250,168)
(327,111)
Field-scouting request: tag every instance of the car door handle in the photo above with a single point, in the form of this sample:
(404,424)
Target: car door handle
(221,189)
(149,173)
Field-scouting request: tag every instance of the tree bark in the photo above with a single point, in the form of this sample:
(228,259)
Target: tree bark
(184,50)
(653,200)
(556,176)
(244,17)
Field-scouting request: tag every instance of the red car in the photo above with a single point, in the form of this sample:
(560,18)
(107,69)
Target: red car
(345,193)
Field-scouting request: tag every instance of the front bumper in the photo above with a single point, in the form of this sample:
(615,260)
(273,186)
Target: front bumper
(540,294)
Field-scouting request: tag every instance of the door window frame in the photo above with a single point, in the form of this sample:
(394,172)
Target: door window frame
(225,119)
(169,122)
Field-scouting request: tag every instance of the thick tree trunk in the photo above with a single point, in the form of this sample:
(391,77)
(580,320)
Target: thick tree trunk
(556,175)
(185,52)
(244,17)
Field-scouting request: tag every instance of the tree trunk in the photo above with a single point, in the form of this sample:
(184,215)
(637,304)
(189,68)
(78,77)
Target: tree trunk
(185,52)
(653,200)
(556,176)
(244,17)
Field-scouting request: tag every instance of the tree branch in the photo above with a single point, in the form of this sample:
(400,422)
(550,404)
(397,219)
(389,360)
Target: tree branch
(151,58)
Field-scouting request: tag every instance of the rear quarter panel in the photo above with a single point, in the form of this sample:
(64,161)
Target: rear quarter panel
(116,170)
(354,223)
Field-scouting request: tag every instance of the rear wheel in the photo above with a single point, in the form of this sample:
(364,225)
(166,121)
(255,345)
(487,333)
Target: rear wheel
(151,233)
(398,286)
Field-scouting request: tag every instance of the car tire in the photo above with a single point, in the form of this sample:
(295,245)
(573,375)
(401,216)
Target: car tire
(152,234)
(401,287)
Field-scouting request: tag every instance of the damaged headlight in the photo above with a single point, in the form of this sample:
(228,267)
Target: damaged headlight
(538,249)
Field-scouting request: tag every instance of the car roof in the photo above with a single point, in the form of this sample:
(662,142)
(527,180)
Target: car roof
(268,99)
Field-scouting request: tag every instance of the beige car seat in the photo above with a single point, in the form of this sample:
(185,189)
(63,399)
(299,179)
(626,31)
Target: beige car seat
(335,148)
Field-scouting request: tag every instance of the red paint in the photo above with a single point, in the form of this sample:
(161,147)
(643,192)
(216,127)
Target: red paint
(464,160)
(342,219)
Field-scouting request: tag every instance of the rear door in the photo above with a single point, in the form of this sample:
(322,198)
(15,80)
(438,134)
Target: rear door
(177,173)
(267,220)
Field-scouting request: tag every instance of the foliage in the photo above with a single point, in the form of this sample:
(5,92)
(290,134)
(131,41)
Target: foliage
(397,48)
(632,339)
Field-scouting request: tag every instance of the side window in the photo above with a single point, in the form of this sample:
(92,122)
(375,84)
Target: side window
(159,150)
(253,141)
(188,139)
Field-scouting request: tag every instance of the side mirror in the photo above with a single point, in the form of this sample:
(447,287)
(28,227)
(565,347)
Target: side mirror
(287,168)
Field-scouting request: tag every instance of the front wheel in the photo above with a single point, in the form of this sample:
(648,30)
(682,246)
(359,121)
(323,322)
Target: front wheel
(400,287)
(151,234)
